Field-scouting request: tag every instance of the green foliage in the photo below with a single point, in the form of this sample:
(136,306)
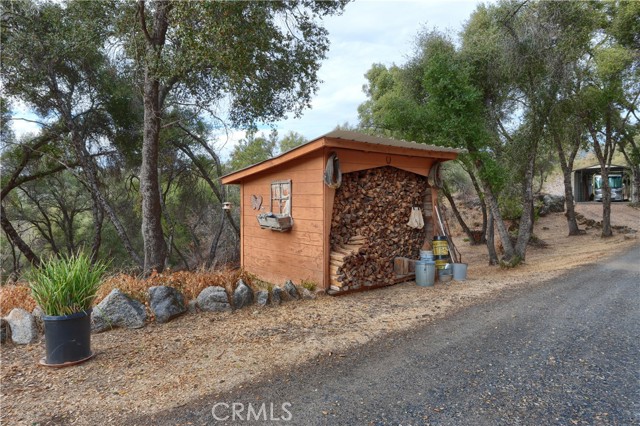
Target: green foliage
(432,99)
(309,285)
(49,47)
(253,149)
(625,22)
(237,51)
(6,133)
(511,263)
(510,208)
(67,285)
(291,140)
(456,178)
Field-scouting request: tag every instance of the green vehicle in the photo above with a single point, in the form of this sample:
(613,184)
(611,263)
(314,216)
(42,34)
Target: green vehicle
(618,183)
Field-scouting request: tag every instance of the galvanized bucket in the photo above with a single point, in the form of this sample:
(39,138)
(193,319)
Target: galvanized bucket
(459,271)
(425,273)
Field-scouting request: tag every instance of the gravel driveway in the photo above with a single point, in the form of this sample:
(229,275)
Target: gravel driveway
(560,353)
(621,213)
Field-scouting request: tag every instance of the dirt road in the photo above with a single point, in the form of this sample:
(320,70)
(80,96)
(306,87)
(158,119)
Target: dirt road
(562,352)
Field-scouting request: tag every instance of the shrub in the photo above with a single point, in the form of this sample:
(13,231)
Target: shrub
(190,284)
(128,284)
(510,208)
(309,285)
(66,285)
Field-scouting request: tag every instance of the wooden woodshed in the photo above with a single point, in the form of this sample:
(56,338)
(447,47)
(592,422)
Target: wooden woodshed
(298,224)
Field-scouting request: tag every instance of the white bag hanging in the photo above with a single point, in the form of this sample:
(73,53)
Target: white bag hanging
(415,220)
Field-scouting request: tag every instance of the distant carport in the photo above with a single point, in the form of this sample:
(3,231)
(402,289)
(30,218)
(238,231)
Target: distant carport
(582,180)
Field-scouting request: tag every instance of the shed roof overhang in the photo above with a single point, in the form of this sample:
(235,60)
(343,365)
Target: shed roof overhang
(596,168)
(347,140)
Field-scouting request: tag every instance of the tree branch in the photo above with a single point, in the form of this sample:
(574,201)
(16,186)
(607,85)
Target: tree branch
(143,21)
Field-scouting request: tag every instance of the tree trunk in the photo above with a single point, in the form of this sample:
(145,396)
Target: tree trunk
(465,228)
(567,168)
(526,220)
(16,240)
(483,206)
(494,211)
(16,259)
(154,245)
(47,232)
(635,189)
(214,244)
(155,248)
(606,203)
(181,256)
(635,170)
(91,176)
(499,223)
(98,219)
(604,159)
(490,240)
(570,210)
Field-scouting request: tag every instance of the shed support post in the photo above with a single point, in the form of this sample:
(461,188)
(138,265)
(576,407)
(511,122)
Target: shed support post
(429,213)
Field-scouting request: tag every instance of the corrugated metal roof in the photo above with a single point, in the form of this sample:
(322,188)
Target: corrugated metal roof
(361,137)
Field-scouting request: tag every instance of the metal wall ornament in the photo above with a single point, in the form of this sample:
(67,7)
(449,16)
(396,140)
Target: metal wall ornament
(256,202)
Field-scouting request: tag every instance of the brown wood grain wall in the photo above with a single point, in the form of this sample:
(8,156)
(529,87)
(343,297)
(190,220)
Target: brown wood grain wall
(352,161)
(298,254)
(303,253)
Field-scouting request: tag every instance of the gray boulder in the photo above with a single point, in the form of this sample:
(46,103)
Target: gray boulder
(117,310)
(276,295)
(166,303)
(307,294)
(242,296)
(213,299)
(262,297)
(38,315)
(23,326)
(551,204)
(291,290)
(192,306)
(5,331)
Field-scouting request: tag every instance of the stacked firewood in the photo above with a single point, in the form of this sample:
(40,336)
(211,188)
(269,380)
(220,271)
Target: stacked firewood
(369,226)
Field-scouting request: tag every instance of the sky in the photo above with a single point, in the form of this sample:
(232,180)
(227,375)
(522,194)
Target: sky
(368,32)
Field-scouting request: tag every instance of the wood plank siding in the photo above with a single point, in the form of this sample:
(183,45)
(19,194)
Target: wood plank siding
(353,161)
(304,252)
(297,254)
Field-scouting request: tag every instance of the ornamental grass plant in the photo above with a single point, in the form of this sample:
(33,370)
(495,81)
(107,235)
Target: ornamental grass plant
(66,285)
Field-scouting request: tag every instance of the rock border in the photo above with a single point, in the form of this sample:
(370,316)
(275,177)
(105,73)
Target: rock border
(165,303)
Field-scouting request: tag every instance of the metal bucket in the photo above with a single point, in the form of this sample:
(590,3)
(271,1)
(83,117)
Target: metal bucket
(445,274)
(426,255)
(460,271)
(425,273)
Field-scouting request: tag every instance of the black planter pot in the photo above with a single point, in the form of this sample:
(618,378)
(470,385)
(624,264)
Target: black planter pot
(67,339)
